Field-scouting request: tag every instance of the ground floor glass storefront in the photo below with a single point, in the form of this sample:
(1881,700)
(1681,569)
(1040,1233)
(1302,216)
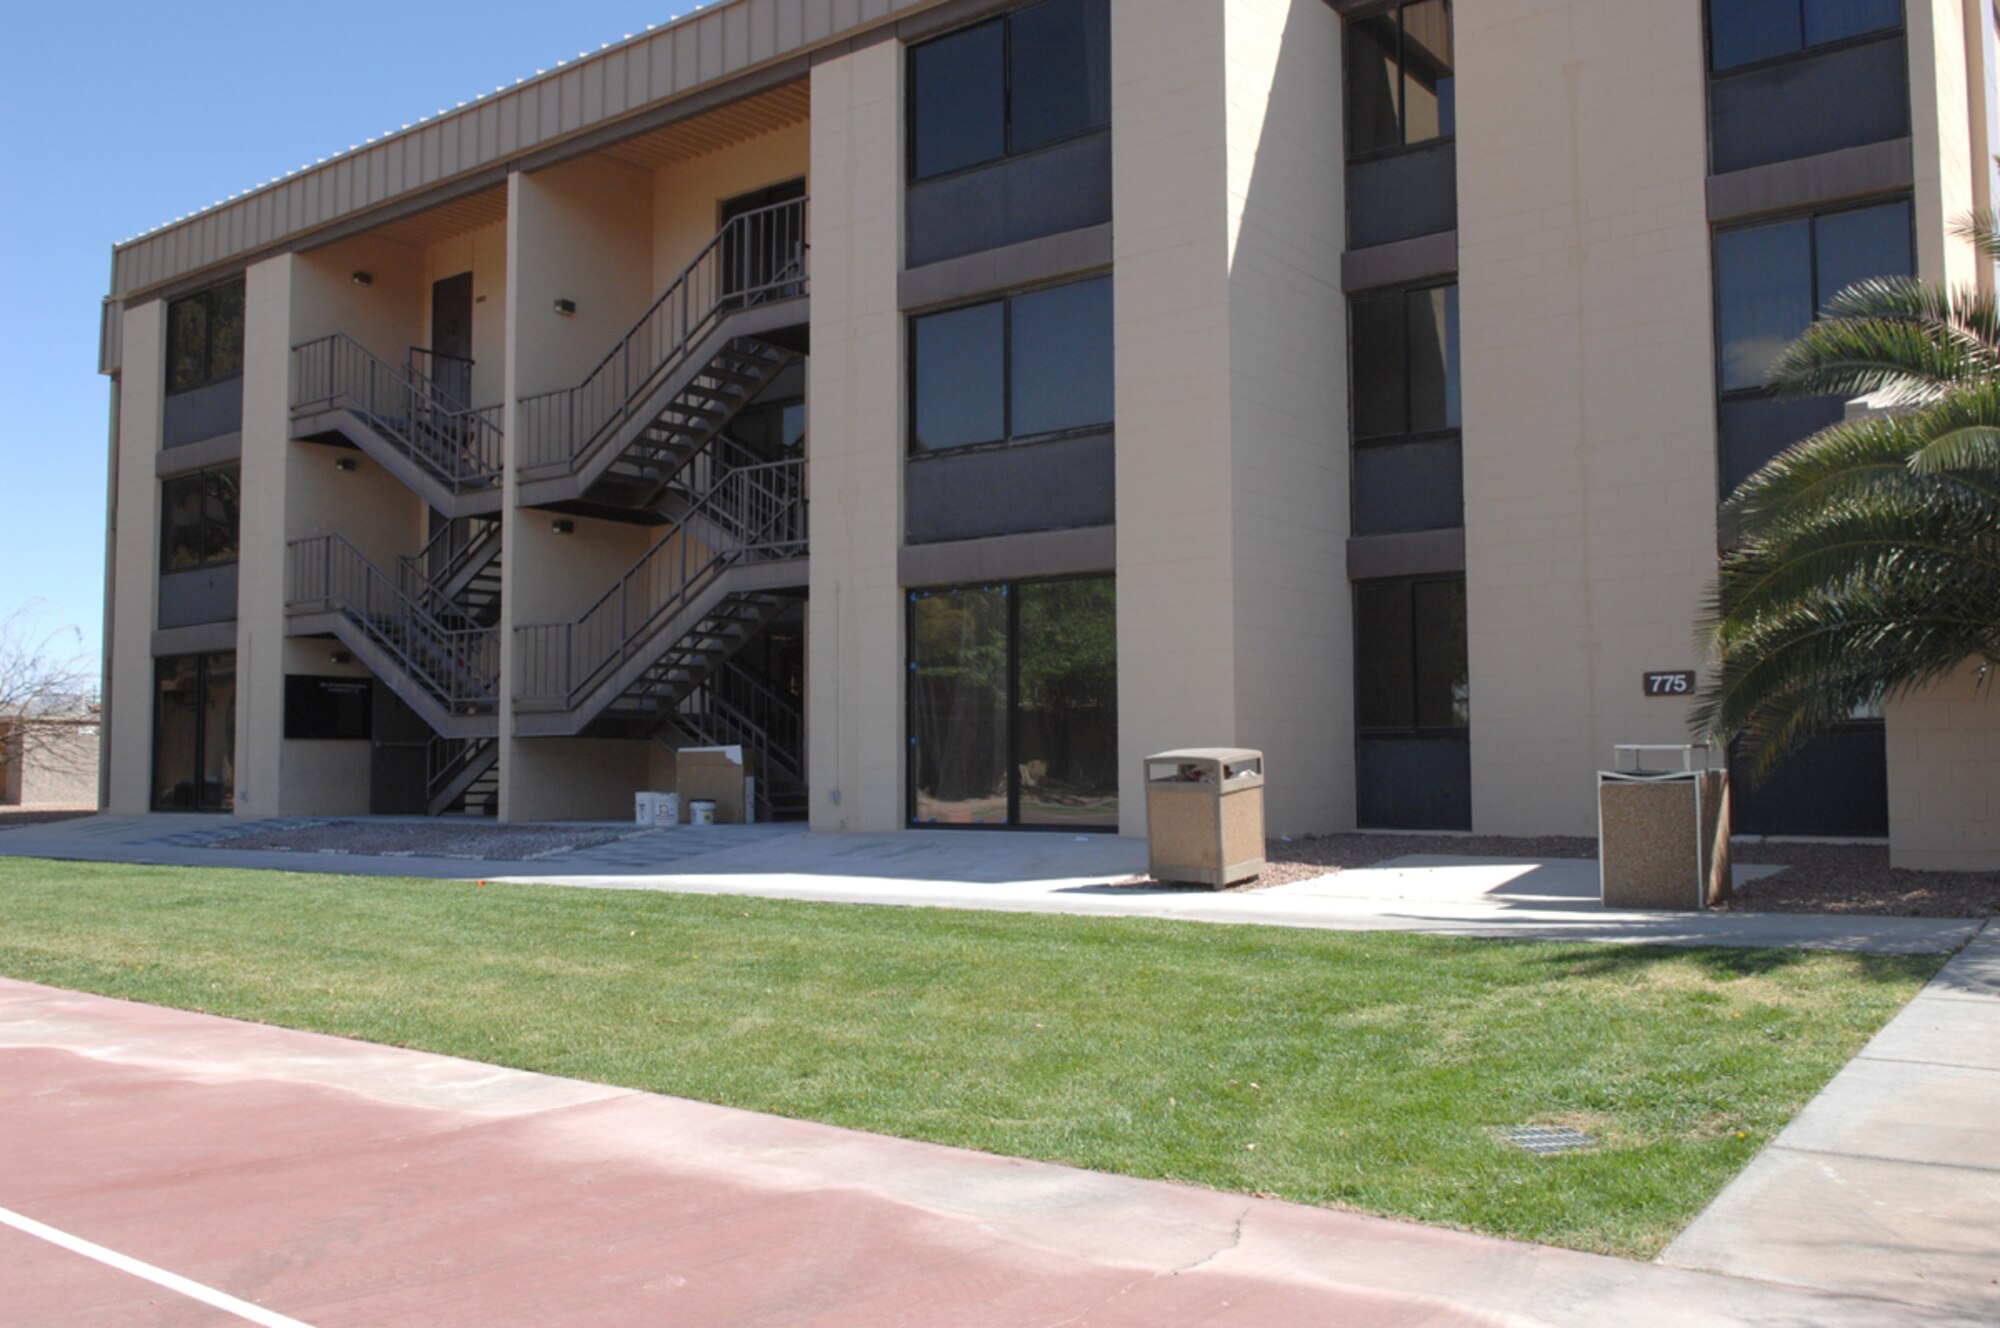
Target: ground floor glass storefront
(1013,706)
(194,733)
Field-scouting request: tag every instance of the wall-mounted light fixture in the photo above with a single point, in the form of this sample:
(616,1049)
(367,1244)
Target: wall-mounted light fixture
(340,657)
(362,278)
(344,463)
(567,308)
(562,526)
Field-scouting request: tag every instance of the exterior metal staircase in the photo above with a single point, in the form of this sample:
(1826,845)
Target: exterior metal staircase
(710,585)
(735,707)
(456,576)
(448,674)
(721,331)
(462,776)
(449,452)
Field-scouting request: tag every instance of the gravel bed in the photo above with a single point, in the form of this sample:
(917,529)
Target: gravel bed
(441,839)
(1853,879)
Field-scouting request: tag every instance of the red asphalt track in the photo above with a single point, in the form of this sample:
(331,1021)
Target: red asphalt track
(340,1183)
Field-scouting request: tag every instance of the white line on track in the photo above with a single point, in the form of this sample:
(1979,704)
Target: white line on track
(220,1300)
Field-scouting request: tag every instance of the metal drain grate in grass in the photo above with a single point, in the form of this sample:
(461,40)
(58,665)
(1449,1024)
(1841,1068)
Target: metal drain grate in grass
(1547,1140)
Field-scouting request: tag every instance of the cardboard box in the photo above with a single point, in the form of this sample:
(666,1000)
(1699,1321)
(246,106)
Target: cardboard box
(714,774)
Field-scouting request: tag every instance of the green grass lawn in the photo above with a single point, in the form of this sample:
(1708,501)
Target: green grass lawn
(1363,1070)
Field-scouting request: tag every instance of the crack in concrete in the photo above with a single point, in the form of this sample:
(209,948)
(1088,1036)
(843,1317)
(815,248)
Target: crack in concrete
(1235,1240)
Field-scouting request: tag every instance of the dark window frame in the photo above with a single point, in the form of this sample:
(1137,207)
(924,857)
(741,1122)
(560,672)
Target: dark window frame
(1404,147)
(1409,584)
(1356,445)
(1008,438)
(1007,152)
(207,298)
(1010,591)
(1812,217)
(1804,52)
(206,561)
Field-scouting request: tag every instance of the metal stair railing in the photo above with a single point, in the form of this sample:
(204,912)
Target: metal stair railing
(455,547)
(446,758)
(461,447)
(755,258)
(431,371)
(457,667)
(750,707)
(761,507)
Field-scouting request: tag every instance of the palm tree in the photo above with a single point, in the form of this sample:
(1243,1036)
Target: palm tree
(1864,562)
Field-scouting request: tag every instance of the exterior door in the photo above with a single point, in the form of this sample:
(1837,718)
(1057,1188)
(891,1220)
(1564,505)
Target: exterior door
(398,770)
(451,337)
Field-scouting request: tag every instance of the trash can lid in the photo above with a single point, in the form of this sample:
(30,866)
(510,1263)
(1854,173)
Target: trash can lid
(1226,755)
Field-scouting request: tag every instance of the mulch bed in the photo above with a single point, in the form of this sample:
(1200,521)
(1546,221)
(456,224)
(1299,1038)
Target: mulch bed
(1819,878)
(13,818)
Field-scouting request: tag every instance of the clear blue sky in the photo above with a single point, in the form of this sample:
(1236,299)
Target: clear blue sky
(116,117)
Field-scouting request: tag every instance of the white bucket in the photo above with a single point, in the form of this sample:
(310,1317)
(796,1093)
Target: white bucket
(701,812)
(667,812)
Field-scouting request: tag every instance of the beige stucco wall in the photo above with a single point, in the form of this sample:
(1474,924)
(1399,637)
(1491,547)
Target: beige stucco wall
(48,763)
(854,687)
(581,232)
(1177,659)
(387,316)
(1944,776)
(1944,743)
(135,554)
(1288,410)
(322,777)
(1233,625)
(1590,462)
(273,293)
(688,195)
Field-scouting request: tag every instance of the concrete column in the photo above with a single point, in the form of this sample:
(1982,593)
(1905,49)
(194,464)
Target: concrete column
(260,586)
(135,555)
(1288,410)
(1177,657)
(1944,742)
(1587,342)
(855,430)
(1233,625)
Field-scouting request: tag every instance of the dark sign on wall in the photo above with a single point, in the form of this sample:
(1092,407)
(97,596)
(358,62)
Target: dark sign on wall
(328,707)
(1679,682)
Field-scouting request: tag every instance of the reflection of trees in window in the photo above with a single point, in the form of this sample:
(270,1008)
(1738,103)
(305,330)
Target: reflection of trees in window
(200,518)
(1014,704)
(205,337)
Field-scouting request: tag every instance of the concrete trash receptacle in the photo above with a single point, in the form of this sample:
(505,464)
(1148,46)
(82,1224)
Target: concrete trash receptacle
(1205,815)
(1663,834)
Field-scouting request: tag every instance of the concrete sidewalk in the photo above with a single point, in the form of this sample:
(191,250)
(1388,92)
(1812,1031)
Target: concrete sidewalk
(1043,873)
(1888,1183)
(338,1183)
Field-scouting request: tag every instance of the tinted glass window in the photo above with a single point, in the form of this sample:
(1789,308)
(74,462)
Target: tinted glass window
(205,338)
(194,733)
(1832,20)
(958,105)
(1428,103)
(1399,77)
(959,371)
(1059,68)
(199,520)
(1374,115)
(1380,391)
(1852,246)
(1410,655)
(1433,332)
(1764,297)
(1443,699)
(1741,31)
(1066,716)
(1062,370)
(1383,696)
(958,706)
